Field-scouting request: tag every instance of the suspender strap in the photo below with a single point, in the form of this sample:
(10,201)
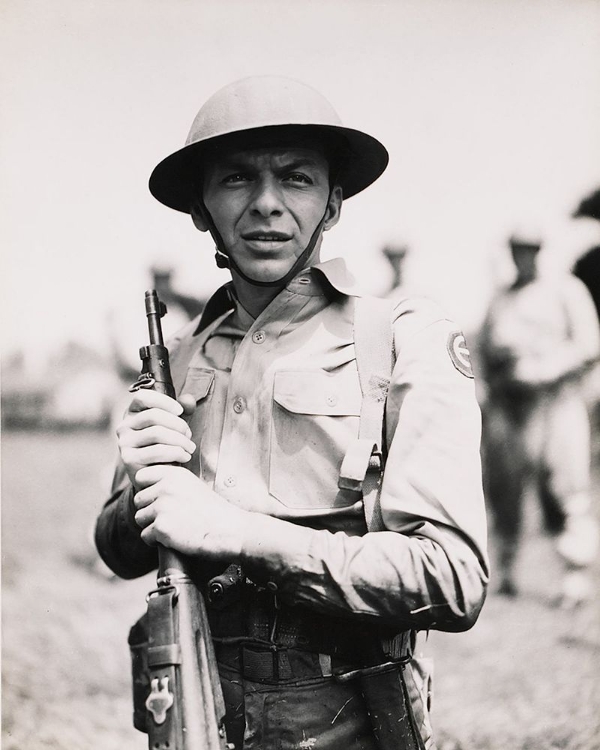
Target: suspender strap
(374,347)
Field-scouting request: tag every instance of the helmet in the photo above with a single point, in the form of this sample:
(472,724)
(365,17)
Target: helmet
(395,251)
(262,103)
(525,239)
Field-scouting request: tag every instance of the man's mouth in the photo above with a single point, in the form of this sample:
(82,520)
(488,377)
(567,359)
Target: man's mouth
(268,236)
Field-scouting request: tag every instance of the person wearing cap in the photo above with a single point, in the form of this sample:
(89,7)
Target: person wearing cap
(395,254)
(539,337)
(268,409)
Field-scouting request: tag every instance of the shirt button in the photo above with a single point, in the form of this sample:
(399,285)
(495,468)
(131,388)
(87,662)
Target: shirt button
(230,482)
(238,405)
(258,337)
(332,400)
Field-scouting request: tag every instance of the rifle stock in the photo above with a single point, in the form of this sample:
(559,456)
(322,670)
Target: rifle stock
(185,709)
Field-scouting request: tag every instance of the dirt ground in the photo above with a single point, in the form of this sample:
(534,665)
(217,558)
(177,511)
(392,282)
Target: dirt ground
(526,677)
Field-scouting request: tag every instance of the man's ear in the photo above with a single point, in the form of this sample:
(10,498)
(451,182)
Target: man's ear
(197,214)
(334,208)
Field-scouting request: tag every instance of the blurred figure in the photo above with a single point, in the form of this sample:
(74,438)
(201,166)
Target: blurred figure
(128,330)
(587,267)
(187,307)
(396,254)
(539,338)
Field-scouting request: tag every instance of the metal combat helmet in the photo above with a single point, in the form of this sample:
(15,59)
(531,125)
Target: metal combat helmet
(258,106)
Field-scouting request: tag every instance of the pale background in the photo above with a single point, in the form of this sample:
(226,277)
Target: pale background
(490,111)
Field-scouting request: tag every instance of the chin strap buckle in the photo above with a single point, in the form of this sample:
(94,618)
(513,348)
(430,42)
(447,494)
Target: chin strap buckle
(221,259)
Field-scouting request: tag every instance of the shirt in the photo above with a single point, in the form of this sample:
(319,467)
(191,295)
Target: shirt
(278,403)
(540,333)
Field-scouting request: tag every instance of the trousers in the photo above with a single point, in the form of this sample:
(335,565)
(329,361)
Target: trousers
(542,441)
(295,713)
(282,701)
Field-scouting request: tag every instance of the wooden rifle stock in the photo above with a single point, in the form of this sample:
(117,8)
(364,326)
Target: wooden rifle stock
(185,709)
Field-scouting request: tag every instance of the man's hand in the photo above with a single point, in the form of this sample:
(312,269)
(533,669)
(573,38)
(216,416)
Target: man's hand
(153,432)
(178,510)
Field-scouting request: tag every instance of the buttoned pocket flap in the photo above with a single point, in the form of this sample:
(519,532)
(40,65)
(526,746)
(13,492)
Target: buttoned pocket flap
(198,382)
(318,392)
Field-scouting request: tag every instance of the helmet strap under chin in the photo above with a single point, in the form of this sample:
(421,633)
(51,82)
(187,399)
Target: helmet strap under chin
(224,260)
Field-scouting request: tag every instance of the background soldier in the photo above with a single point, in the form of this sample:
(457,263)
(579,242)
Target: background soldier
(269,380)
(538,339)
(395,254)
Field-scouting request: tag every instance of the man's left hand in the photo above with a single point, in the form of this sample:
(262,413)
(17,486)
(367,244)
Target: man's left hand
(176,509)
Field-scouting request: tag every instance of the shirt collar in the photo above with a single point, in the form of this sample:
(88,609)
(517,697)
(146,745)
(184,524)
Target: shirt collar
(333,273)
(336,273)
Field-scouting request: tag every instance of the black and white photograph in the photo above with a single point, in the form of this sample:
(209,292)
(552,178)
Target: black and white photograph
(300,374)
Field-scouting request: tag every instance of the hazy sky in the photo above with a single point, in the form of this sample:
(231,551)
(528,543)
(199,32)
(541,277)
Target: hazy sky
(490,111)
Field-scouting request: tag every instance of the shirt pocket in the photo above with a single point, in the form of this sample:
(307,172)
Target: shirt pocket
(199,383)
(315,418)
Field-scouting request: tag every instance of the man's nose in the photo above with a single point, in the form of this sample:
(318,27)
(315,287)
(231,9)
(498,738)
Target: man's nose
(267,199)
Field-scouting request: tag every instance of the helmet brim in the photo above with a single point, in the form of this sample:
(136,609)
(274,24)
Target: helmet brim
(174,181)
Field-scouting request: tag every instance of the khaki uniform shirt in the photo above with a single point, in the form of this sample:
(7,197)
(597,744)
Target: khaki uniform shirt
(547,329)
(278,403)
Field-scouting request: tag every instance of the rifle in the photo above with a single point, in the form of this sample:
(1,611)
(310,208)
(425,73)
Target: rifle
(184,709)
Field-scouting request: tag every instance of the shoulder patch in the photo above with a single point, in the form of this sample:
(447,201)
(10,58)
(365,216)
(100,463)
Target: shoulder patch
(459,353)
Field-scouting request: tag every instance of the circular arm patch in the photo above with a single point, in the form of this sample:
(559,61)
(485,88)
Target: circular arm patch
(459,353)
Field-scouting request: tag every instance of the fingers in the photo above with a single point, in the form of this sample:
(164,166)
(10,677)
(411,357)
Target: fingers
(154,416)
(148,535)
(157,443)
(145,516)
(150,418)
(148,399)
(155,454)
(154,434)
(148,476)
(146,500)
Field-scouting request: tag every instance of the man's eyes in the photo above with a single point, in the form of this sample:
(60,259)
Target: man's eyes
(299,177)
(236,178)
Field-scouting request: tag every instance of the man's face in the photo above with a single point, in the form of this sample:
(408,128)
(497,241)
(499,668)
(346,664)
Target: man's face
(266,203)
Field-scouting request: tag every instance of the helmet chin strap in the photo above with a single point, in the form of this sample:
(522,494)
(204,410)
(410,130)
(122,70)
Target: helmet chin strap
(226,261)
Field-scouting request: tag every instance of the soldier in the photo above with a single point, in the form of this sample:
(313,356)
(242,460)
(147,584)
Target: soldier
(395,254)
(539,337)
(187,306)
(269,380)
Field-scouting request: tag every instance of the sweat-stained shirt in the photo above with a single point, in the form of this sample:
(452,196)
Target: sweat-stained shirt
(278,404)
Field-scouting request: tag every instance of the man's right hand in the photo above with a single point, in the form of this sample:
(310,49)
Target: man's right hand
(153,432)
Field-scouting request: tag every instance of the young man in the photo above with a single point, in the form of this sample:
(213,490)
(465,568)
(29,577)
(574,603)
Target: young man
(268,421)
(539,337)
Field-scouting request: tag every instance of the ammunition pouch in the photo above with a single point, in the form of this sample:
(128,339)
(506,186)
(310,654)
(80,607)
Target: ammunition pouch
(140,673)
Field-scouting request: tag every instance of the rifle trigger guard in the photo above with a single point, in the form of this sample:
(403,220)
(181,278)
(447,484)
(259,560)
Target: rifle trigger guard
(145,380)
(162,590)
(160,699)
